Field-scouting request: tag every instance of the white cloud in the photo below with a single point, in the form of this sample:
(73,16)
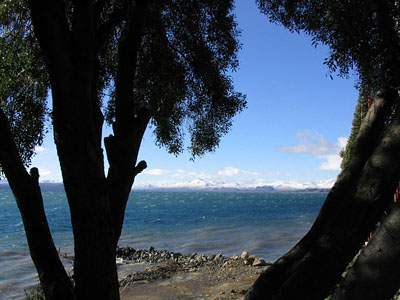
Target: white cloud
(316,144)
(332,162)
(212,184)
(184,174)
(44,172)
(231,171)
(342,141)
(311,142)
(155,172)
(40,149)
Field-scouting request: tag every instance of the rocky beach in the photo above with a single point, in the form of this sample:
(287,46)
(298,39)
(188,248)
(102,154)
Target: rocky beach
(161,275)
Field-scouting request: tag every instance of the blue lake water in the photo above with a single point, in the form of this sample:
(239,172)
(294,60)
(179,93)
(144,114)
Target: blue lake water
(264,224)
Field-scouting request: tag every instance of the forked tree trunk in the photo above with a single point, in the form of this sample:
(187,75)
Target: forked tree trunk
(351,210)
(97,203)
(375,274)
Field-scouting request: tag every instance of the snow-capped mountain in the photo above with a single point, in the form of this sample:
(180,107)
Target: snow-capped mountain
(202,184)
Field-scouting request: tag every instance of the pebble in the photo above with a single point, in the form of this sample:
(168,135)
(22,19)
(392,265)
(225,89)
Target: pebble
(218,256)
(211,257)
(168,263)
(259,262)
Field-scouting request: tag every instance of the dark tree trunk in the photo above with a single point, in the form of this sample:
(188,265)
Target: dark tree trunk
(95,270)
(97,204)
(375,274)
(351,210)
(53,278)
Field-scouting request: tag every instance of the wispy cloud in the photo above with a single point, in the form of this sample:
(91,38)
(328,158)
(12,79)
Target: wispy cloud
(44,172)
(155,172)
(212,184)
(184,174)
(40,149)
(316,144)
(231,171)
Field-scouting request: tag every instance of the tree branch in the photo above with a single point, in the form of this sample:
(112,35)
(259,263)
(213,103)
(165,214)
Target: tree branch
(26,190)
(83,28)
(130,120)
(105,30)
(122,153)
(127,57)
(52,31)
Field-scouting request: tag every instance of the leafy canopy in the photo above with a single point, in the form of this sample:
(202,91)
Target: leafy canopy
(24,82)
(188,50)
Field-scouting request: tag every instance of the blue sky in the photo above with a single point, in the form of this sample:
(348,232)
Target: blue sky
(295,124)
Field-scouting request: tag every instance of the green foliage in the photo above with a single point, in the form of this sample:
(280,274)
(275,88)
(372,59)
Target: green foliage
(188,49)
(35,294)
(182,74)
(24,81)
(359,114)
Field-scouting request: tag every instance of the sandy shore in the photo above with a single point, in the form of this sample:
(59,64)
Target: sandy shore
(161,275)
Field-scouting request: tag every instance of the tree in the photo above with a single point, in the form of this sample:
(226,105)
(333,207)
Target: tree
(362,36)
(359,114)
(131,63)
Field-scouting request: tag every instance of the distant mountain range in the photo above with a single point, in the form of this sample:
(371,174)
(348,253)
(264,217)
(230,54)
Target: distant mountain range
(219,186)
(204,185)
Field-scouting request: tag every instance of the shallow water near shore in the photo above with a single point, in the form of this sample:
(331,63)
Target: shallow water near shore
(264,224)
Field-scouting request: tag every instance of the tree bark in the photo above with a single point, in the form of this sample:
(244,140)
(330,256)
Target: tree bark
(375,273)
(77,119)
(97,203)
(351,210)
(131,119)
(53,278)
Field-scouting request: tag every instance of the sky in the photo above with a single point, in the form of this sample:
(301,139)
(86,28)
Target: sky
(296,121)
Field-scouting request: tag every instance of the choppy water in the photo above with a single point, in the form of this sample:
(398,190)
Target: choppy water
(265,224)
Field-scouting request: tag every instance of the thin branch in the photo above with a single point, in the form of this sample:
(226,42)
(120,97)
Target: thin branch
(127,57)
(106,29)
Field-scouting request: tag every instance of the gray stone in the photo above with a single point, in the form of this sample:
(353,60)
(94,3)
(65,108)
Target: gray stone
(218,256)
(176,255)
(259,262)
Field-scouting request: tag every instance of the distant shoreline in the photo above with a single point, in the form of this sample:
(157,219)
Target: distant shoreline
(47,186)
